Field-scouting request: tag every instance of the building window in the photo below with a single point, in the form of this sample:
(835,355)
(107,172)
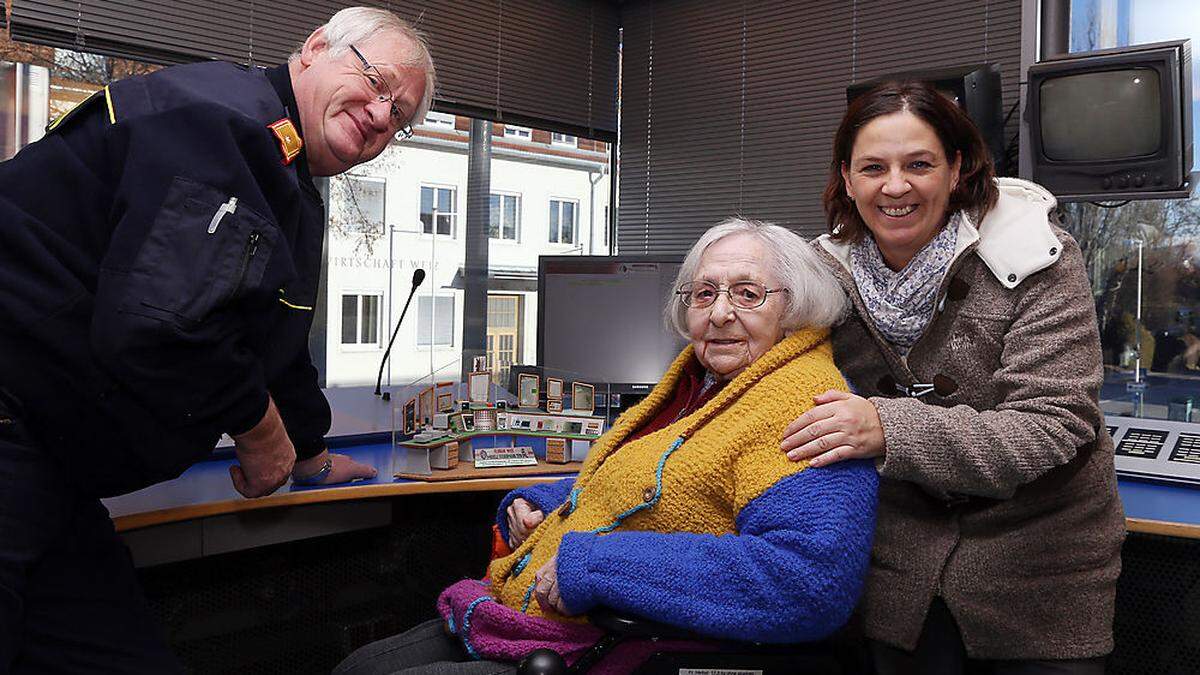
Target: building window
(524,133)
(505,217)
(437,206)
(564,139)
(563,222)
(435,321)
(1141,254)
(360,319)
(438,120)
(364,203)
(503,335)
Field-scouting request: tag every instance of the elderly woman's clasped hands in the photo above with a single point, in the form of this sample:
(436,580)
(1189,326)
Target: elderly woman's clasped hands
(840,426)
(523,519)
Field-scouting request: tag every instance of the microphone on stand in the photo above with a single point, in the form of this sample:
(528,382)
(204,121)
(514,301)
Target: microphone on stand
(418,277)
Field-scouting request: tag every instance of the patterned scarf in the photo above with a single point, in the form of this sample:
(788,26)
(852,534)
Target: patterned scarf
(901,303)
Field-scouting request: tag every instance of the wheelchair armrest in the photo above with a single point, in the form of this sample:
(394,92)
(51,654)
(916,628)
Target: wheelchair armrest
(628,625)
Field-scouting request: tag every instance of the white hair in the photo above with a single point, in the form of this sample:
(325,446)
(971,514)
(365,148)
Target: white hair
(361,24)
(814,297)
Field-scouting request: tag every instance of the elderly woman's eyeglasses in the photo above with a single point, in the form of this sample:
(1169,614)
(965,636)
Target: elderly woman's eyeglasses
(383,95)
(743,295)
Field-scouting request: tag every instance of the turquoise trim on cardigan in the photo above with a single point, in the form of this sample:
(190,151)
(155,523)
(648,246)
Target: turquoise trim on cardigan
(528,596)
(466,625)
(658,486)
(521,564)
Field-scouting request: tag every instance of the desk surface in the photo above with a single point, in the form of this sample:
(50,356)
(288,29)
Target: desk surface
(1158,508)
(205,490)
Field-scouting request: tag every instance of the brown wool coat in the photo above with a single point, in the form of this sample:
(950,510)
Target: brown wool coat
(998,491)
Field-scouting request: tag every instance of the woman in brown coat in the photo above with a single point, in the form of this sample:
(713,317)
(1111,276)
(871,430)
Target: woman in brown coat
(974,353)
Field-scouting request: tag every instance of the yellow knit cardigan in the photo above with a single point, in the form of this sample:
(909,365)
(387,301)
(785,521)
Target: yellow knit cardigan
(694,475)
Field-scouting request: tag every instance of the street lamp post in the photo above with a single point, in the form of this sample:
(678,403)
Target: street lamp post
(1137,372)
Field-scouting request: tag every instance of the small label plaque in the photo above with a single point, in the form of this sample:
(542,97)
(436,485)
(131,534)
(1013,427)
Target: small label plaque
(522,455)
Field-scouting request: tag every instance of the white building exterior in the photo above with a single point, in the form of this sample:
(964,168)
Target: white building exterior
(550,196)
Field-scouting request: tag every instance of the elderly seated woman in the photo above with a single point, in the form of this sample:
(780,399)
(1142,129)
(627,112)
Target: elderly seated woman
(685,512)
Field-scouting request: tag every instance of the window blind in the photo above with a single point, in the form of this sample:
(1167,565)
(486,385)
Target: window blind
(730,108)
(550,64)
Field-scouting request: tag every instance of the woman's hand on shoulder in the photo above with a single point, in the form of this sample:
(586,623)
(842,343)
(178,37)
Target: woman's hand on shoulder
(840,426)
(522,519)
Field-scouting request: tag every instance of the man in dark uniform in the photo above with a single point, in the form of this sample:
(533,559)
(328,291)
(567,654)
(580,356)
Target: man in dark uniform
(159,258)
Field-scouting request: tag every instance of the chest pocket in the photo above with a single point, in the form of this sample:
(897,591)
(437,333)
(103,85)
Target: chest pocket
(204,251)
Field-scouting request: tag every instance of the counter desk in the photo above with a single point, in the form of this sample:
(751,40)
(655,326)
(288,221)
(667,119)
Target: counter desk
(299,578)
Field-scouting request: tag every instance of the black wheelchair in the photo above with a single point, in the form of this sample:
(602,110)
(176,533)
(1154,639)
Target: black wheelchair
(839,655)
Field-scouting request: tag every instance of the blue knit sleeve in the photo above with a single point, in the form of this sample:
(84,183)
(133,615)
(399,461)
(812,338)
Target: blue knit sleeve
(544,496)
(792,572)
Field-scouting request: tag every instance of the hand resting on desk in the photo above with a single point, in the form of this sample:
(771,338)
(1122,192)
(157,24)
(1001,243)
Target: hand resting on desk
(265,456)
(344,468)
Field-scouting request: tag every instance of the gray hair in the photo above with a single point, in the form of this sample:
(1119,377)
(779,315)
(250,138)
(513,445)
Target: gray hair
(361,24)
(814,298)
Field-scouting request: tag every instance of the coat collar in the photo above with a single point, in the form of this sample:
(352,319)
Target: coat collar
(789,349)
(1014,240)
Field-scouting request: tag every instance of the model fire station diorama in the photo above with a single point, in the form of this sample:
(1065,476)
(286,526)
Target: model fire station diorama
(434,430)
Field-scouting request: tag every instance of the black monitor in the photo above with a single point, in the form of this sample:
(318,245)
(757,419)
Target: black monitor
(1113,124)
(600,318)
(975,88)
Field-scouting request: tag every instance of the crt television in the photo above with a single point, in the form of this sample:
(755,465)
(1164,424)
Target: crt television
(975,88)
(1113,124)
(600,319)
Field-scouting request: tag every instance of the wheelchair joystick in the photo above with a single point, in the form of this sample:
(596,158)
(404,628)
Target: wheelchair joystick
(542,662)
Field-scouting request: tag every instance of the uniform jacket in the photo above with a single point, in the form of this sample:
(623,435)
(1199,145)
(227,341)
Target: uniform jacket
(142,321)
(998,490)
(704,523)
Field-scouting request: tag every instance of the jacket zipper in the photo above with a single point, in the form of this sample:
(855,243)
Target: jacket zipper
(247,256)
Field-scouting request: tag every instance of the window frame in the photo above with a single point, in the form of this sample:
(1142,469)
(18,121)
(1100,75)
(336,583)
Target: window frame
(360,293)
(438,120)
(549,222)
(555,136)
(453,216)
(516,238)
(518,132)
(452,344)
(383,183)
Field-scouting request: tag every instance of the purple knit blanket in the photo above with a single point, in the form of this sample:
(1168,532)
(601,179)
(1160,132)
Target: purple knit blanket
(491,631)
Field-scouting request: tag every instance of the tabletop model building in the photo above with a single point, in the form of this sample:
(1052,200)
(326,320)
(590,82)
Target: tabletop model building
(434,431)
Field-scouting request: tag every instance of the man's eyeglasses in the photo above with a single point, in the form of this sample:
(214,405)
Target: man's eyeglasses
(743,295)
(383,95)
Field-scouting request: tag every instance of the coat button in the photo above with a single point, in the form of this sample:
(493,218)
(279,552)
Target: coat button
(1012,278)
(1054,250)
(648,494)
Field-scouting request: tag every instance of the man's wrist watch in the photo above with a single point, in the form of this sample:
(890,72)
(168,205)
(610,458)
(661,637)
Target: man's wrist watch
(318,477)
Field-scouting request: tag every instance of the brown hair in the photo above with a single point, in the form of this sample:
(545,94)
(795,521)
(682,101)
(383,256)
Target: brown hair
(976,192)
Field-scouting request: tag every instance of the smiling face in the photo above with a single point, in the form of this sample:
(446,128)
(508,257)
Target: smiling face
(900,180)
(727,339)
(343,120)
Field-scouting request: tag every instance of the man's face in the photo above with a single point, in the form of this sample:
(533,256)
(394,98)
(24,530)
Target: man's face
(343,120)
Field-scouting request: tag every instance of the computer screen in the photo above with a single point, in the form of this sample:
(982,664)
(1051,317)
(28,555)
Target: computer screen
(600,317)
(1107,115)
